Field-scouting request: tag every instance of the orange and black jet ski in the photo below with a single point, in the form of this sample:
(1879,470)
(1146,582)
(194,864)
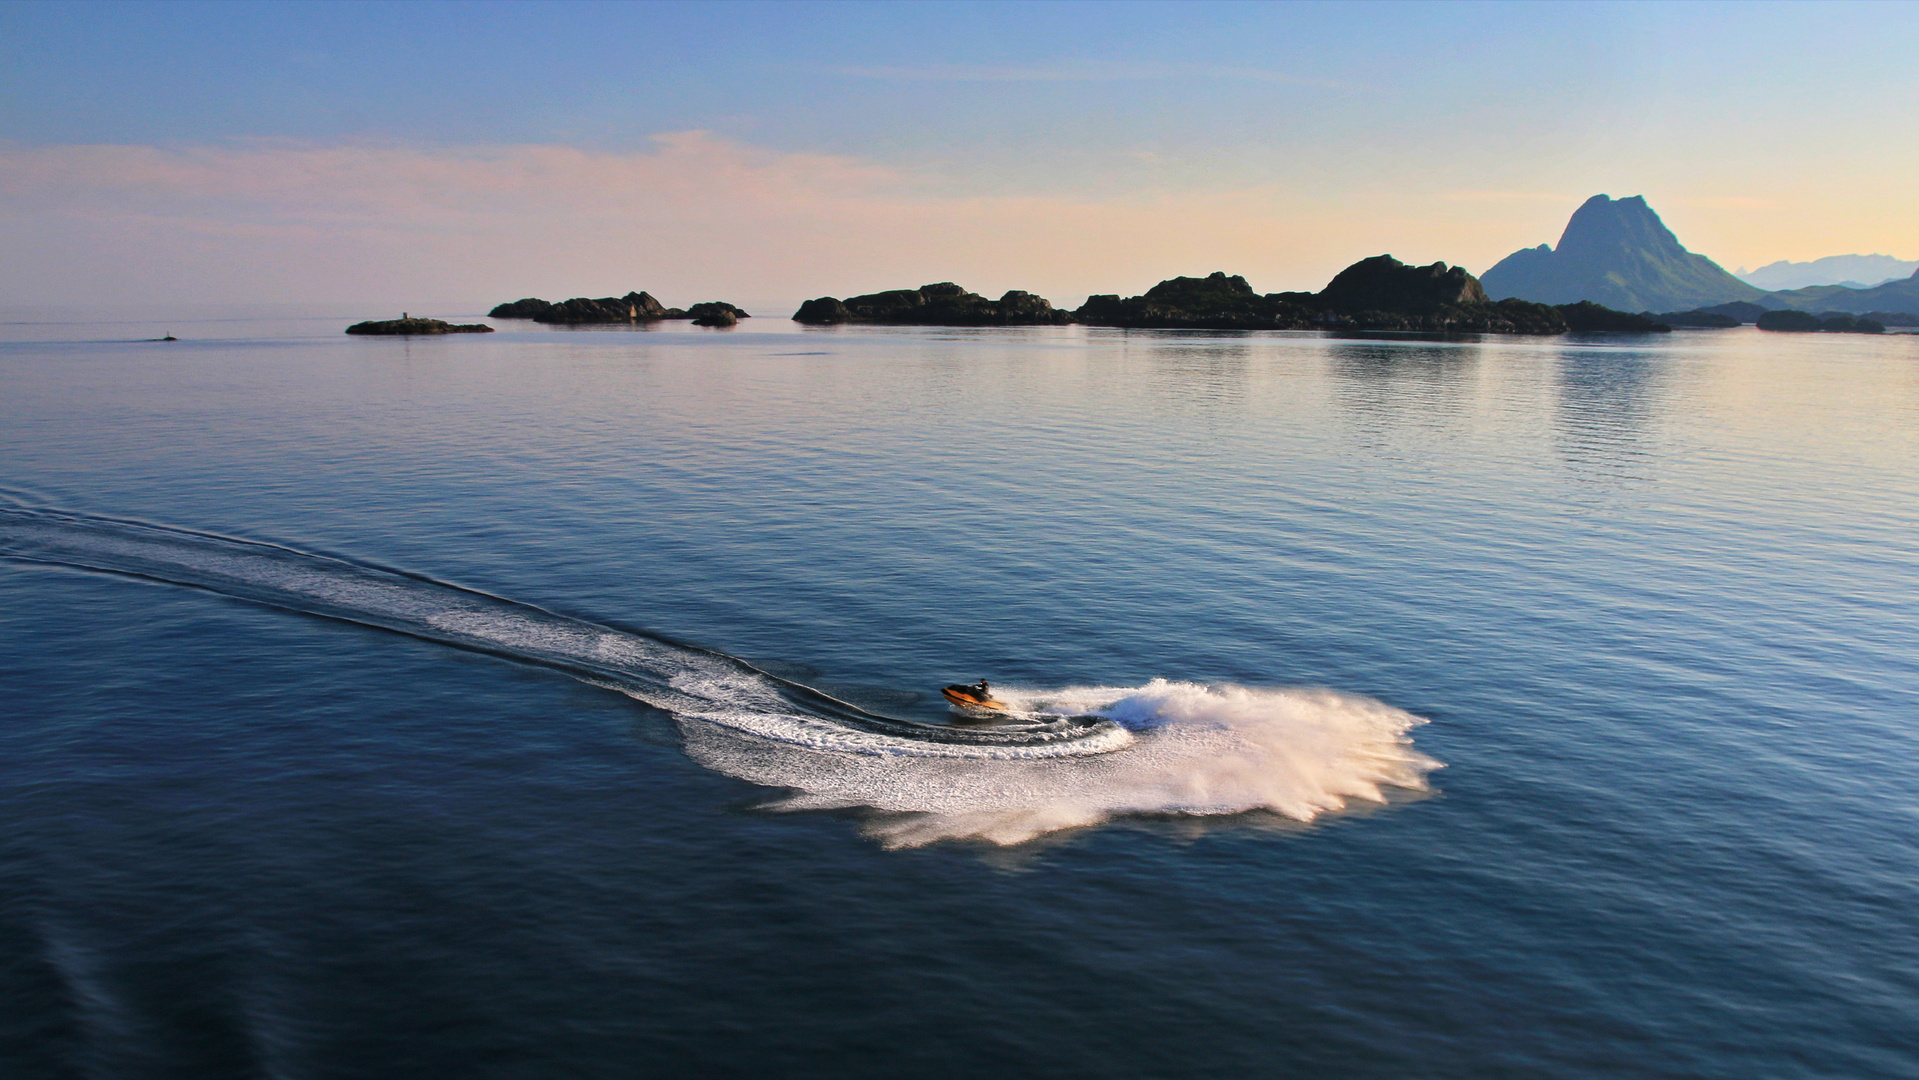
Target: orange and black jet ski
(976,696)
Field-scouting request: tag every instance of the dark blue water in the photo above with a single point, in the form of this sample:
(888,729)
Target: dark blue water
(563,704)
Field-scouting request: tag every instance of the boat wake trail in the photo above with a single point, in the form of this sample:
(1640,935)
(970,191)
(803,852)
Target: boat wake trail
(1069,758)
(693,684)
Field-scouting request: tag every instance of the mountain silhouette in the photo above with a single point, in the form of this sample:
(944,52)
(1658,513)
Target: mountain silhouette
(1894,296)
(1618,253)
(1852,271)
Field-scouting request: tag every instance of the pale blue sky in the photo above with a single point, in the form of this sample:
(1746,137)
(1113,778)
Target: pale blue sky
(1760,131)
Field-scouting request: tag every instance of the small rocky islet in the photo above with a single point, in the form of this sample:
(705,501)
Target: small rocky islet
(406,325)
(633,307)
(940,304)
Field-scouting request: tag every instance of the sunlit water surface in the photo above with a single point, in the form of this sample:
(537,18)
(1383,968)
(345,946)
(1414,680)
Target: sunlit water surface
(555,703)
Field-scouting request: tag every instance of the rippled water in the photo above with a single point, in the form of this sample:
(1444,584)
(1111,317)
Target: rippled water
(1386,707)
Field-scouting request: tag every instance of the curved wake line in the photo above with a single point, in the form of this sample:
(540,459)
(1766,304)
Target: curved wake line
(1162,748)
(692,684)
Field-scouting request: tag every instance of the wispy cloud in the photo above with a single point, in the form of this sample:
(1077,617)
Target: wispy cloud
(1078,71)
(282,179)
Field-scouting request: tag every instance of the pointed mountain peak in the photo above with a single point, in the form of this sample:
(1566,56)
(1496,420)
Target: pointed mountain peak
(1618,253)
(1603,223)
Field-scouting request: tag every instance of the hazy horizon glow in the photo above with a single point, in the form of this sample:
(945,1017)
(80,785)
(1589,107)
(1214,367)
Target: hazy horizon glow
(766,153)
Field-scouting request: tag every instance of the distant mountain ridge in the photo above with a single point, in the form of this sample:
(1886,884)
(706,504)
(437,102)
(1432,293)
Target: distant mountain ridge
(1852,271)
(1618,253)
(1893,296)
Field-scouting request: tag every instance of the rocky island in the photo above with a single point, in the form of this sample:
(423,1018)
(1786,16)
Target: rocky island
(408,325)
(1699,319)
(1380,293)
(1831,322)
(1587,316)
(940,304)
(631,308)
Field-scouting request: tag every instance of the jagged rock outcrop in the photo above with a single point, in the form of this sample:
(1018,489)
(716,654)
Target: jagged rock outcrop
(408,325)
(1619,254)
(1383,283)
(633,307)
(1380,293)
(939,304)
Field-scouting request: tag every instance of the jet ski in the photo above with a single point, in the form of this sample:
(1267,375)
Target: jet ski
(976,696)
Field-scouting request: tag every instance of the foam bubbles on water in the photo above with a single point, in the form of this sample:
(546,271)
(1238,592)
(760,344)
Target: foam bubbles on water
(1163,748)
(1198,750)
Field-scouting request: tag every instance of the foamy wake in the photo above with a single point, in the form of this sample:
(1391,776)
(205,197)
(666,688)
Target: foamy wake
(1197,750)
(1162,748)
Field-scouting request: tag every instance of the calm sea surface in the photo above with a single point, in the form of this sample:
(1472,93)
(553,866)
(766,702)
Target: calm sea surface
(556,704)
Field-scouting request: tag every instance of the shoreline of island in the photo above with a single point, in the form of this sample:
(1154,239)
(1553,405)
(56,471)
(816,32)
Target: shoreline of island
(1615,250)
(1374,295)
